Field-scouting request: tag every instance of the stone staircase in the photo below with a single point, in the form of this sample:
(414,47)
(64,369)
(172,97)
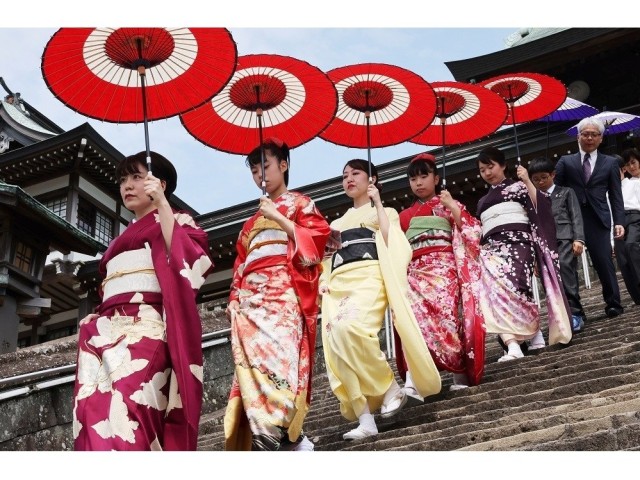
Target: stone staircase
(581,396)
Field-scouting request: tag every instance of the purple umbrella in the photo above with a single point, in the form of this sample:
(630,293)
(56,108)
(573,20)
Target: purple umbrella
(614,122)
(571,109)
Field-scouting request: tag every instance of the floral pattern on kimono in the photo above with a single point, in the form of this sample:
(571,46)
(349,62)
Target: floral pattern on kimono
(444,281)
(139,366)
(273,336)
(508,256)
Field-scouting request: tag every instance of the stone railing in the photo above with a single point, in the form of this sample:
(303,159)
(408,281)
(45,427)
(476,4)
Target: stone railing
(36,406)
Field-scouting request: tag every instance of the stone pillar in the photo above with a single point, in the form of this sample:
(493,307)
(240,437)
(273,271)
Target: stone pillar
(36,323)
(88,298)
(9,324)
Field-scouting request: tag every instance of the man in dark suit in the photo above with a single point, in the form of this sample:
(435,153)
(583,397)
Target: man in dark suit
(593,175)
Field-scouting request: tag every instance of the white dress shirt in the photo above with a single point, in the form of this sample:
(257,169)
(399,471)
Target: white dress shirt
(631,193)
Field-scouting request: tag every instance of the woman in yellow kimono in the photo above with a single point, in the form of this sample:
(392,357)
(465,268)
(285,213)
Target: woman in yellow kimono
(367,274)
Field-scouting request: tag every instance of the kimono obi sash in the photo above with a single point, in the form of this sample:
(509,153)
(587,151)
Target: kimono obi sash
(429,231)
(356,244)
(267,243)
(130,271)
(505,213)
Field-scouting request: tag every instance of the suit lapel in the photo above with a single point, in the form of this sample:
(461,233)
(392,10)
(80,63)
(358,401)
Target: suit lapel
(600,161)
(577,165)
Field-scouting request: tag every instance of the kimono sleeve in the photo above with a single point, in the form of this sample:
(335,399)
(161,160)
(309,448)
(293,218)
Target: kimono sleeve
(470,232)
(190,251)
(311,234)
(241,256)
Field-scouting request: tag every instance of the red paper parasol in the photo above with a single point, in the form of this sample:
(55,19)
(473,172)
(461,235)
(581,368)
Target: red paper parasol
(464,112)
(378,105)
(268,95)
(529,96)
(129,75)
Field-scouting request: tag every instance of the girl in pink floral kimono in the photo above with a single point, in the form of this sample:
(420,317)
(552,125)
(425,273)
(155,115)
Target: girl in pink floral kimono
(139,369)
(443,278)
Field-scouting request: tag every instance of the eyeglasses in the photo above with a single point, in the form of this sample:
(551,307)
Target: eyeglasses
(590,134)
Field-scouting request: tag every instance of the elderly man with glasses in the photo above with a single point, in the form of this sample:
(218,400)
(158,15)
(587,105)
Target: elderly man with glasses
(595,176)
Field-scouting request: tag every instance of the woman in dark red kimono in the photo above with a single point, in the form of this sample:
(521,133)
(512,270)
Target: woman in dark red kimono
(139,375)
(273,311)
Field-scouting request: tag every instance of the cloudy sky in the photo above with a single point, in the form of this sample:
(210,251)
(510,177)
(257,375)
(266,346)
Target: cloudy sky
(208,179)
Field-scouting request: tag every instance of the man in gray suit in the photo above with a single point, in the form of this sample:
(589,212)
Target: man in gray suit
(593,176)
(569,232)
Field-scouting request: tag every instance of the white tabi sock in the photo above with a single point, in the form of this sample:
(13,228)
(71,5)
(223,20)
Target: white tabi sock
(391,392)
(409,381)
(515,350)
(537,339)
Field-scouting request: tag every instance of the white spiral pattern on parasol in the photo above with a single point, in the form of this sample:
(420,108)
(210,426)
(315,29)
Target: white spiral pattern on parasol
(295,98)
(399,105)
(534,91)
(182,58)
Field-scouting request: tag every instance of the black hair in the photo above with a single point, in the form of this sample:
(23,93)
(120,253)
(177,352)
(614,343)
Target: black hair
(275,147)
(423,166)
(160,168)
(629,154)
(541,165)
(360,164)
(489,154)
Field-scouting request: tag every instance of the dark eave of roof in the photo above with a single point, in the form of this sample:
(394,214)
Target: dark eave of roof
(64,237)
(58,155)
(507,60)
(34,114)
(83,131)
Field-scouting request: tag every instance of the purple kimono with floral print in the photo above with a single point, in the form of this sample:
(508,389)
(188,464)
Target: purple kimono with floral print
(508,255)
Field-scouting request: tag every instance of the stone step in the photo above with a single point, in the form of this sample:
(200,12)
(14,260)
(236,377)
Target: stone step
(509,404)
(463,432)
(614,431)
(580,396)
(547,374)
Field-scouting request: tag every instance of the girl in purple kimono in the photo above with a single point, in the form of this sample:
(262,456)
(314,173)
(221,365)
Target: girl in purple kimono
(139,370)
(514,240)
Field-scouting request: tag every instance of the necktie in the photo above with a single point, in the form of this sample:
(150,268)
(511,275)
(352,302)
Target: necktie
(586,167)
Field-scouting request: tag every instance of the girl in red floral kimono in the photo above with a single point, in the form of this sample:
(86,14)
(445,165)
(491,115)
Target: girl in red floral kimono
(139,369)
(443,278)
(273,311)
